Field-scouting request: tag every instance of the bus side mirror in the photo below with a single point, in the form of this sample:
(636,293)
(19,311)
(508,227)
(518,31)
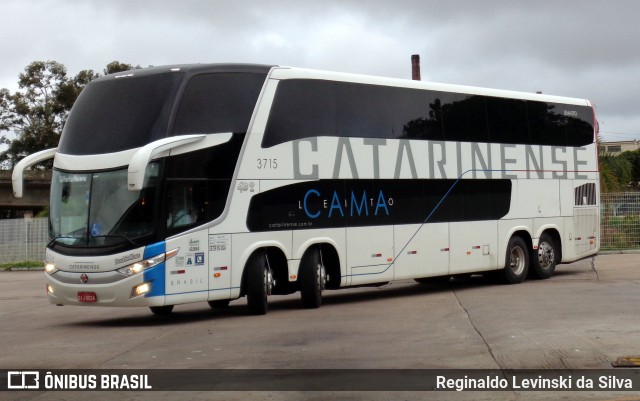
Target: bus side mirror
(140,159)
(17,177)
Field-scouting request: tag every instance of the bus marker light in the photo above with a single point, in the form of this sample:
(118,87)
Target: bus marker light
(216,275)
(412,252)
(141,289)
(293,277)
(376,255)
(389,259)
(468,252)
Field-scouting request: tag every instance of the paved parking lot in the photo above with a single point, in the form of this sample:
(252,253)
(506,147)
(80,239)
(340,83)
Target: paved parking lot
(586,316)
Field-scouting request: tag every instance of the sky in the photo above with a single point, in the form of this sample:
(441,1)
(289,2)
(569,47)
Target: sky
(576,48)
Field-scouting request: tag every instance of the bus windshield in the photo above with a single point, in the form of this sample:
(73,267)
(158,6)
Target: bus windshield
(125,113)
(96,209)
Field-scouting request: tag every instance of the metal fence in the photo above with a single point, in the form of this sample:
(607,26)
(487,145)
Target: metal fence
(23,239)
(26,239)
(620,221)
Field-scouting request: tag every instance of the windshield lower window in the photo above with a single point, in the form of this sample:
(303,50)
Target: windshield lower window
(97,209)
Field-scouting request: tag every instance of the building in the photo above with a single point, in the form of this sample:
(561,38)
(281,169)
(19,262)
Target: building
(617,147)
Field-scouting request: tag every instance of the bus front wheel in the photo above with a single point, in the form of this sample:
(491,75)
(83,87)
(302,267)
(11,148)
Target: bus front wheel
(313,279)
(259,282)
(517,261)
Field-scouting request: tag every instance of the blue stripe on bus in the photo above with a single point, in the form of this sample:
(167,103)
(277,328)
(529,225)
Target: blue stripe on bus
(155,276)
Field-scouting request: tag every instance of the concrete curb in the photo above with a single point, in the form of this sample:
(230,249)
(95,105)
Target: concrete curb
(22,269)
(621,251)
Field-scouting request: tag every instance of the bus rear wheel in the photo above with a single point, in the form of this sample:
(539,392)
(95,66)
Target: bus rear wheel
(161,310)
(517,261)
(313,279)
(259,281)
(544,260)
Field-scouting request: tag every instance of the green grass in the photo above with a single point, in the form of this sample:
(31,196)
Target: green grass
(26,263)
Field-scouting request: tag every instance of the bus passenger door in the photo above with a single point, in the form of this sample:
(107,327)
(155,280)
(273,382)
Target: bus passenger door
(219,266)
(370,254)
(421,250)
(186,279)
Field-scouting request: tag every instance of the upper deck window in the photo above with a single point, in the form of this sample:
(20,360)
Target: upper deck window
(116,114)
(218,102)
(304,108)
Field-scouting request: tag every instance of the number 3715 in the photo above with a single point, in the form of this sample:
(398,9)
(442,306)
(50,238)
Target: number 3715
(267,164)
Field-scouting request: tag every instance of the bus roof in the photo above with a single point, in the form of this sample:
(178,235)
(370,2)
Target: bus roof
(303,73)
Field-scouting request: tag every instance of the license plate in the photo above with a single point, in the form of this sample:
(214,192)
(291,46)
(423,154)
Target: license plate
(87,297)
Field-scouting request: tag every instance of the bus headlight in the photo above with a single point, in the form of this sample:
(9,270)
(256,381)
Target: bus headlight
(143,265)
(50,268)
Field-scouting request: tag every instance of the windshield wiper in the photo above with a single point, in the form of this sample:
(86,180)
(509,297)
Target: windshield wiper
(129,240)
(62,236)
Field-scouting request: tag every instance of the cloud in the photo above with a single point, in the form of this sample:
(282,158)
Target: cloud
(581,48)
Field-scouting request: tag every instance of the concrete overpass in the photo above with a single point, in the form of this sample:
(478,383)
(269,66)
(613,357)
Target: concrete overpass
(35,198)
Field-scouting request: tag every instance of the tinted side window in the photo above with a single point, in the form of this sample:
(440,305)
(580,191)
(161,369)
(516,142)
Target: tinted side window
(507,120)
(560,124)
(311,108)
(464,118)
(197,184)
(219,102)
(308,108)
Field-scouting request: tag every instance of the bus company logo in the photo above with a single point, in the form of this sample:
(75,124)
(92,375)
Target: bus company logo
(23,380)
(84,266)
(353,204)
(127,258)
(84,278)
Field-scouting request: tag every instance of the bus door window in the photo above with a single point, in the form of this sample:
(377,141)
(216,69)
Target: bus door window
(183,209)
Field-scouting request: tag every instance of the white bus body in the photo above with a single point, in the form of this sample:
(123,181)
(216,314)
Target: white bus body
(301,180)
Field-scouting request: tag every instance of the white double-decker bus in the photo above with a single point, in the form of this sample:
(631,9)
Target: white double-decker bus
(214,182)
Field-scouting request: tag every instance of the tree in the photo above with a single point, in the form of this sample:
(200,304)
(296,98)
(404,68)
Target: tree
(615,173)
(116,66)
(633,157)
(36,113)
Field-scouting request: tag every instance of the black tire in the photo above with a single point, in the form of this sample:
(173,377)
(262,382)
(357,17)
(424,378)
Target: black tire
(219,303)
(258,283)
(543,260)
(313,279)
(161,310)
(516,265)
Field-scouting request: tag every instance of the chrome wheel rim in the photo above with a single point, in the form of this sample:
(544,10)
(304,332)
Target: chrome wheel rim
(546,255)
(322,277)
(517,260)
